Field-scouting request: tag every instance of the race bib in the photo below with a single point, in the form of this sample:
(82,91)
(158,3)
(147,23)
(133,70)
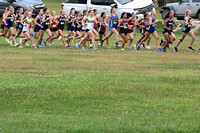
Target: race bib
(47,23)
(62,23)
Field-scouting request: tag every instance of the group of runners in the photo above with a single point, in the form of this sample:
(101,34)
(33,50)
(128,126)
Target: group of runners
(88,28)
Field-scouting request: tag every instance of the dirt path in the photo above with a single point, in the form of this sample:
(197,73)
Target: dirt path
(195,23)
(197,26)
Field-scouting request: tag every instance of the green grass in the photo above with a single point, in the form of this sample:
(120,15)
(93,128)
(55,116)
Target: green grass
(55,89)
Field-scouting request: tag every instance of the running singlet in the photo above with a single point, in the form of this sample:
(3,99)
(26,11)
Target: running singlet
(95,25)
(70,25)
(45,25)
(90,23)
(169,26)
(18,18)
(61,23)
(124,28)
(187,28)
(131,24)
(80,22)
(152,27)
(39,21)
(27,24)
(113,23)
(83,27)
(54,24)
(146,23)
(102,28)
(9,22)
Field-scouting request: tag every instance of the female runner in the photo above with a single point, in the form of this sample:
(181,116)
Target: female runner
(123,25)
(45,28)
(102,28)
(89,21)
(113,27)
(187,30)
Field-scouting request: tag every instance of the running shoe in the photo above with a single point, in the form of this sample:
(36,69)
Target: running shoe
(20,46)
(44,43)
(28,45)
(95,48)
(101,43)
(16,45)
(73,40)
(7,40)
(59,38)
(122,49)
(11,43)
(168,46)
(143,44)
(198,50)
(175,49)
(147,47)
(66,46)
(138,47)
(78,45)
(134,47)
(66,38)
(90,46)
(128,47)
(108,47)
(50,44)
(159,48)
(191,49)
(36,47)
(117,45)
(83,48)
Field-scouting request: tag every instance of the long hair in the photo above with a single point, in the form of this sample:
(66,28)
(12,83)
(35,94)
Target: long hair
(102,14)
(168,14)
(84,12)
(71,11)
(186,13)
(123,15)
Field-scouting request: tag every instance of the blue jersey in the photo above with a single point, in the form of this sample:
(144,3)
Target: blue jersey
(152,27)
(9,22)
(114,19)
(187,28)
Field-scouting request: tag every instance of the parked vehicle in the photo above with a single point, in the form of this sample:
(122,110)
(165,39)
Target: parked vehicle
(180,8)
(36,5)
(128,6)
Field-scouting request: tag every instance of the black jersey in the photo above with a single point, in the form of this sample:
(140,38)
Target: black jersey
(170,24)
(72,18)
(47,22)
(61,21)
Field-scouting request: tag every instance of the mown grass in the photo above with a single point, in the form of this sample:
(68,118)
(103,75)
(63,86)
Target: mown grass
(55,89)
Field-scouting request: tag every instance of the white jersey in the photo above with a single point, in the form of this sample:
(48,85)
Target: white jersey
(90,23)
(27,24)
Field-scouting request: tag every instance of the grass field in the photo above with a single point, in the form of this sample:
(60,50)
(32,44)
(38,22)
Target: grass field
(55,89)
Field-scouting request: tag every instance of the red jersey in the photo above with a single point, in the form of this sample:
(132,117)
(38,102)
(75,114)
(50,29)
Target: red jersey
(30,24)
(96,25)
(54,24)
(131,24)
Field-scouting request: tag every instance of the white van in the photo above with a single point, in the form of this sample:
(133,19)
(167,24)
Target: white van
(128,6)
